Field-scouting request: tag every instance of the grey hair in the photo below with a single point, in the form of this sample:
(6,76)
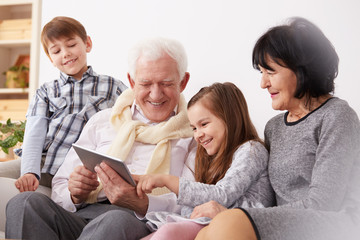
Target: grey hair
(154,48)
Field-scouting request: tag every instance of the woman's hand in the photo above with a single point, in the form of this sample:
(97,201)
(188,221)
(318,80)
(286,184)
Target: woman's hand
(209,209)
(27,182)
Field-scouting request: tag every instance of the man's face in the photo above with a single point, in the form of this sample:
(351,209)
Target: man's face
(157,87)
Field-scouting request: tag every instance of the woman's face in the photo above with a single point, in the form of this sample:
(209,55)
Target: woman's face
(281,84)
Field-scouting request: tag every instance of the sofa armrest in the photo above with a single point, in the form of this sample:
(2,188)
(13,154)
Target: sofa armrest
(8,190)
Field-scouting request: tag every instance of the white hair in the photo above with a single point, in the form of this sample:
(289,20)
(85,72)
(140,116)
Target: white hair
(153,48)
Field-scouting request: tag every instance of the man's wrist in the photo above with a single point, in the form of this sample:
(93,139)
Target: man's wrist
(75,200)
(143,206)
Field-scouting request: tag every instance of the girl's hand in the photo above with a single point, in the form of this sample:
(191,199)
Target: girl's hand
(209,209)
(146,183)
(27,182)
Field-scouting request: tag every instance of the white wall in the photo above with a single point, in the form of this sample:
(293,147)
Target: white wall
(218,35)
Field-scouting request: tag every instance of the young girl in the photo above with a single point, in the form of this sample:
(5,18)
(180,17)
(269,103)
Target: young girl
(230,164)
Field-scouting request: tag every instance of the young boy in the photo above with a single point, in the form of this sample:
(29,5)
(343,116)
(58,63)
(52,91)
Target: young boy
(61,108)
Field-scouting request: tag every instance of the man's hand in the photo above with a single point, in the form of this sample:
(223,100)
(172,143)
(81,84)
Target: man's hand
(81,183)
(27,182)
(119,192)
(209,209)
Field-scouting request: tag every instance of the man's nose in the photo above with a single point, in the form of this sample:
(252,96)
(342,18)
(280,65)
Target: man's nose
(156,92)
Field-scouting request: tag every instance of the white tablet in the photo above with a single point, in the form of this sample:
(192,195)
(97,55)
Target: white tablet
(90,159)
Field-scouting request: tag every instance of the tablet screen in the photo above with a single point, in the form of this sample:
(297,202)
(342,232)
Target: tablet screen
(91,158)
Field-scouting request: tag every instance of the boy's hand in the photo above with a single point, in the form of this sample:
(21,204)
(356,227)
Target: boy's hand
(146,183)
(81,183)
(27,182)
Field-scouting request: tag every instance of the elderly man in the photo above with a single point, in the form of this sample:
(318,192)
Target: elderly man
(148,129)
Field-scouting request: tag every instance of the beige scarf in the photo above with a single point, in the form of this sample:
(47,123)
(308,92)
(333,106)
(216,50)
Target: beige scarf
(129,131)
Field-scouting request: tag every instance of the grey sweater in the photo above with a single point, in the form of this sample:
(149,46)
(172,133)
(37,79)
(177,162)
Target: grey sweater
(245,184)
(314,164)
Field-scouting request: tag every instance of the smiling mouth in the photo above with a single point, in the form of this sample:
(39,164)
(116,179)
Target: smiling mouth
(205,143)
(156,104)
(273,94)
(70,62)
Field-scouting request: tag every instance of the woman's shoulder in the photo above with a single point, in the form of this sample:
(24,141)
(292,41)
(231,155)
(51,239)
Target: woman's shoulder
(338,103)
(339,110)
(274,121)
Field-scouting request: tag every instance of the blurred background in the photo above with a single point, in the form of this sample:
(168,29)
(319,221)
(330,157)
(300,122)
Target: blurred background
(218,36)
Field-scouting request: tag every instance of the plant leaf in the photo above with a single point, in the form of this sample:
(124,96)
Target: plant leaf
(14,133)
(5,150)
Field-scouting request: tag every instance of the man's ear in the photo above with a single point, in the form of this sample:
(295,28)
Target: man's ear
(88,44)
(184,81)
(131,81)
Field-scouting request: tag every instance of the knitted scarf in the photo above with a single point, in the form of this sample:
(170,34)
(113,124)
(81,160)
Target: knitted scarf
(129,131)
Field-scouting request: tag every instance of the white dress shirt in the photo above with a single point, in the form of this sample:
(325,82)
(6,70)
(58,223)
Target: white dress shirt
(98,135)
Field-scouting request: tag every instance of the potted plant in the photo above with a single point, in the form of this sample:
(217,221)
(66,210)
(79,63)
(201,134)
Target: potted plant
(17,76)
(11,134)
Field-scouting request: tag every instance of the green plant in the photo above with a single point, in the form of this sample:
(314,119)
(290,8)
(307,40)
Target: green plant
(17,76)
(11,134)
(20,68)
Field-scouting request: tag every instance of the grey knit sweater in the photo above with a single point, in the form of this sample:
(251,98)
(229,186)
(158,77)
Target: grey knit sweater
(314,168)
(245,184)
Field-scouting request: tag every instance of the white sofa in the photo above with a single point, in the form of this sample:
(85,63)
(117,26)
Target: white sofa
(8,190)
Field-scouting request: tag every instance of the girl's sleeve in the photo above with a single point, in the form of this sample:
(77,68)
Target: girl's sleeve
(249,163)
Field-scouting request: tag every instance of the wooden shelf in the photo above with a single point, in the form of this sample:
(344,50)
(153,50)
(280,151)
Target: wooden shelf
(15,43)
(16,15)
(14,109)
(16,2)
(13,90)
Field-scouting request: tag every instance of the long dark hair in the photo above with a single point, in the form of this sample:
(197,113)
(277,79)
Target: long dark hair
(226,102)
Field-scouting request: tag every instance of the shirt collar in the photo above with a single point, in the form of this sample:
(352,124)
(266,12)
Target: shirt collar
(138,114)
(64,78)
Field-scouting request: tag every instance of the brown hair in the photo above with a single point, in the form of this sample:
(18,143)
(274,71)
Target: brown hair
(226,102)
(60,27)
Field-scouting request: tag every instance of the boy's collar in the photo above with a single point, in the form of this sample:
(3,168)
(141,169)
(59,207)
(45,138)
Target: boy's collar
(66,78)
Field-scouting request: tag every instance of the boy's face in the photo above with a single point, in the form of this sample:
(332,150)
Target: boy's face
(69,55)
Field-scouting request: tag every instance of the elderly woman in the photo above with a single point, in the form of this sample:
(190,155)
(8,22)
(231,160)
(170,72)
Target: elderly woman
(314,145)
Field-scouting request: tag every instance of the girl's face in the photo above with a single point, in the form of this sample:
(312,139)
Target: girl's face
(281,84)
(209,130)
